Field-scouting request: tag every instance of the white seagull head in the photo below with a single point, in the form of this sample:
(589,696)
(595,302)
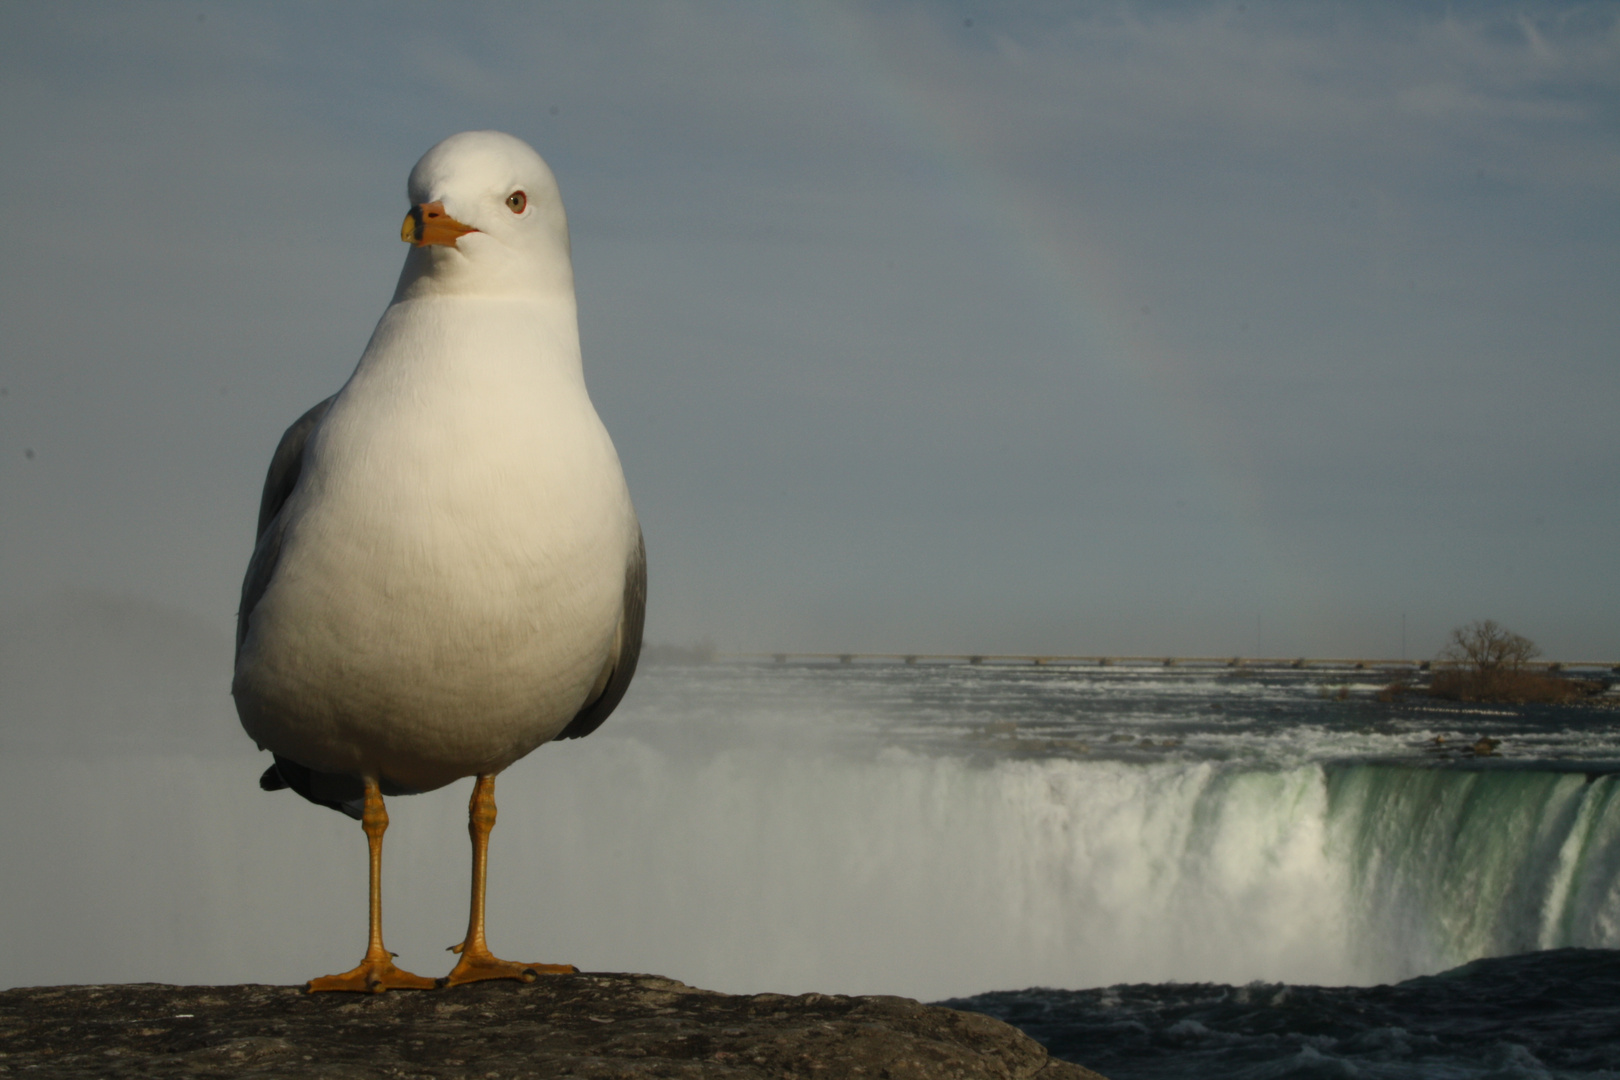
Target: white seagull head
(486,219)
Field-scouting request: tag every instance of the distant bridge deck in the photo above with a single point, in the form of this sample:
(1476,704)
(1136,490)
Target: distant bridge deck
(1062,660)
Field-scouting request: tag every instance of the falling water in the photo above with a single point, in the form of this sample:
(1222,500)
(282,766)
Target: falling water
(924,832)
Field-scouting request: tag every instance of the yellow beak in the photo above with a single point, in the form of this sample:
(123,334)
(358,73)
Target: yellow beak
(427,223)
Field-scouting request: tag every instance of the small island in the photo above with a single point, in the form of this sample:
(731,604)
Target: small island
(1488,663)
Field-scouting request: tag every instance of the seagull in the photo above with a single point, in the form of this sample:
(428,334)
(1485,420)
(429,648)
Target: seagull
(448,571)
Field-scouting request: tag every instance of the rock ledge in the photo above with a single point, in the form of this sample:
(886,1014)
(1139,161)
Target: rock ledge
(590,1025)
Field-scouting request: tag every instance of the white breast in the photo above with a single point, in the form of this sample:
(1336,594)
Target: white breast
(452,572)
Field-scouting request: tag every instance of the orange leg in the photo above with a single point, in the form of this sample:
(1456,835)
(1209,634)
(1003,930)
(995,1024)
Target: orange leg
(376,972)
(476,961)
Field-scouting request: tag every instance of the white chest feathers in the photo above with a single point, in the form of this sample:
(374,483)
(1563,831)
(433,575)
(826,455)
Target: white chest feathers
(452,561)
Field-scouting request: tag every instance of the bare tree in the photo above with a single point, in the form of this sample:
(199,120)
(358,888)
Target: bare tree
(1485,646)
(1491,657)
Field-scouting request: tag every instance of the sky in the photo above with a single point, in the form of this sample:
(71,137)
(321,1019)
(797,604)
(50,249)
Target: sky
(1230,328)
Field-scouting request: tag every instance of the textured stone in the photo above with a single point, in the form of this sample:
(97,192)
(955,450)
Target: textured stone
(592,1025)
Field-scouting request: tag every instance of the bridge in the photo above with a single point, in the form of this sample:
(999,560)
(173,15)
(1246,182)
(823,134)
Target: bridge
(1256,663)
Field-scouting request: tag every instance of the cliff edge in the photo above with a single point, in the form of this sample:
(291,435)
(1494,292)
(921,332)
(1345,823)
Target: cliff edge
(588,1025)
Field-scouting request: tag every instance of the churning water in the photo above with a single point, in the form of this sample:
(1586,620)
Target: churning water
(1077,828)
(1202,841)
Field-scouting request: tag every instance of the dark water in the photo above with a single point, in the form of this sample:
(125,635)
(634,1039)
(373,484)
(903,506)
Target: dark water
(1543,1014)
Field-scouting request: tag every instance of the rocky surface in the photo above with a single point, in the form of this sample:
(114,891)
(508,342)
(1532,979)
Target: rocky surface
(589,1025)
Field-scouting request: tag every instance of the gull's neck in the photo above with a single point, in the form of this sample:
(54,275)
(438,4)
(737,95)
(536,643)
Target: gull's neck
(494,272)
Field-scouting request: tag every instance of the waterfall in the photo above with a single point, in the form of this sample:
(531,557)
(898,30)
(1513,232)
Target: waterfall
(759,867)
(795,843)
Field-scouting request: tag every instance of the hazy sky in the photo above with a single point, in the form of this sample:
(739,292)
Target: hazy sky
(1049,327)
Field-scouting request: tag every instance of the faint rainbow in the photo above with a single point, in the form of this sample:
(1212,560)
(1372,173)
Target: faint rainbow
(1110,328)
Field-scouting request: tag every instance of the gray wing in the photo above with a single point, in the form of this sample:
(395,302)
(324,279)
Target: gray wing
(285,465)
(621,665)
(338,791)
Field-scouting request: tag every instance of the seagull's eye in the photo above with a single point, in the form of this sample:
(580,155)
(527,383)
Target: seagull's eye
(517,201)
